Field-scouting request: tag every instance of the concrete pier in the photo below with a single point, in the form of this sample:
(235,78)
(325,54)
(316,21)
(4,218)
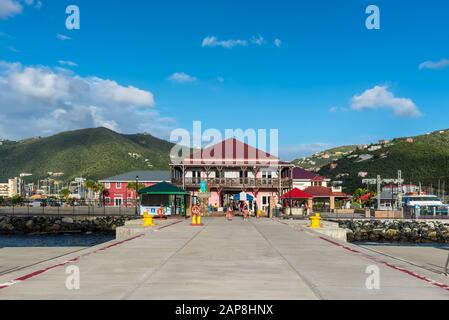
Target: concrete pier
(256,259)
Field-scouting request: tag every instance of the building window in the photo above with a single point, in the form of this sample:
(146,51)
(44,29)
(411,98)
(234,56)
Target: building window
(118,185)
(266,175)
(107,185)
(107,200)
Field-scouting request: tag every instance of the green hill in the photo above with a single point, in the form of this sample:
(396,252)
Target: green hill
(323,158)
(90,153)
(422,159)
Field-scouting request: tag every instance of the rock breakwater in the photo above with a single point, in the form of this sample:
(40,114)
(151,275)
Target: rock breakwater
(396,231)
(42,225)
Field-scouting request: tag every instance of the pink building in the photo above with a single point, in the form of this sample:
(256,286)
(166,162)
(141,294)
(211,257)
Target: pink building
(231,167)
(117,193)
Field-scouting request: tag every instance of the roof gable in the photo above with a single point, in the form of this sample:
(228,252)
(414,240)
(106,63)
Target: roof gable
(302,174)
(231,151)
(144,176)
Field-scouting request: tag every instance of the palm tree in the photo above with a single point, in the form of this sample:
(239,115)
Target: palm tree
(135,187)
(65,194)
(91,187)
(102,191)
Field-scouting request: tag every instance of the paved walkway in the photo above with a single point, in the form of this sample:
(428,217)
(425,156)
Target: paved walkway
(259,259)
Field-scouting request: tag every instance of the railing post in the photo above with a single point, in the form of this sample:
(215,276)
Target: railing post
(446,265)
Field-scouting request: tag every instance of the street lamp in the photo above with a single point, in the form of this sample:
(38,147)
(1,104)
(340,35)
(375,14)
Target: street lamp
(137,194)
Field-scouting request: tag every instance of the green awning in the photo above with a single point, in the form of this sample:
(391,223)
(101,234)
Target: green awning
(163,188)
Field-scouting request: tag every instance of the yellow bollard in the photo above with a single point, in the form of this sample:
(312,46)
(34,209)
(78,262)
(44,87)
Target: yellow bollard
(315,221)
(198,220)
(193,219)
(148,220)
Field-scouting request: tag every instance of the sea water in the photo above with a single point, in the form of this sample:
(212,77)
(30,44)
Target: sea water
(55,240)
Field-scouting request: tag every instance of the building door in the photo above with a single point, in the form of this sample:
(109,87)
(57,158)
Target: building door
(266,203)
(118,202)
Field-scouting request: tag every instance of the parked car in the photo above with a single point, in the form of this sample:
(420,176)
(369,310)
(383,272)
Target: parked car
(37,203)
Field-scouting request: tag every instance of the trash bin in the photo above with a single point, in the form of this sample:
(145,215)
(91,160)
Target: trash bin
(276,212)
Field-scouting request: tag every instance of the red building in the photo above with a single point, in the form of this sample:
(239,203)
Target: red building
(117,193)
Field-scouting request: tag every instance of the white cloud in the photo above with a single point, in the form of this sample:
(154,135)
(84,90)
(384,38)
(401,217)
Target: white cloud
(13,49)
(9,8)
(277,42)
(36,4)
(227,44)
(380,97)
(334,109)
(63,37)
(47,101)
(67,63)
(434,65)
(258,40)
(181,77)
(212,41)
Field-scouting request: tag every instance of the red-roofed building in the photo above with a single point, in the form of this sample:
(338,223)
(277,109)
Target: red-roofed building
(325,196)
(230,167)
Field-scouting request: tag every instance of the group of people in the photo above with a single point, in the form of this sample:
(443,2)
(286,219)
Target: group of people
(242,207)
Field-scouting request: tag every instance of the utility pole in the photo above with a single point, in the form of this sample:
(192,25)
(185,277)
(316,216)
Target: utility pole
(378,192)
(444,192)
(399,196)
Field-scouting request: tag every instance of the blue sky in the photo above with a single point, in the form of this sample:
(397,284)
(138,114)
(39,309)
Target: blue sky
(327,81)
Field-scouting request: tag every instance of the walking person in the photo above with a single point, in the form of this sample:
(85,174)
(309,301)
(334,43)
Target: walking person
(245,211)
(256,211)
(229,213)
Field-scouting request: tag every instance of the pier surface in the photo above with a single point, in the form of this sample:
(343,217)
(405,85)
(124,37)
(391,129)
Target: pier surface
(256,259)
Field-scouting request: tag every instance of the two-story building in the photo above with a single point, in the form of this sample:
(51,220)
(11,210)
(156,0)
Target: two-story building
(303,179)
(117,192)
(231,167)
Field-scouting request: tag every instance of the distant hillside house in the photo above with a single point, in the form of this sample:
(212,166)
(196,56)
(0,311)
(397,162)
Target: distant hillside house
(4,190)
(363,174)
(118,195)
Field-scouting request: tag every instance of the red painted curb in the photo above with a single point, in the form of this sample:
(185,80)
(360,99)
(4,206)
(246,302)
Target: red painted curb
(41,271)
(390,265)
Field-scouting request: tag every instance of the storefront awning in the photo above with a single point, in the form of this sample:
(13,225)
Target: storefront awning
(163,188)
(243,196)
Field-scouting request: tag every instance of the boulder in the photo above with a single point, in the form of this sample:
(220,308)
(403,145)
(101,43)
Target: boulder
(67,220)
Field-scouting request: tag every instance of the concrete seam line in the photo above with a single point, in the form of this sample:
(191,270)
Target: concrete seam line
(147,276)
(302,277)
(390,265)
(18,268)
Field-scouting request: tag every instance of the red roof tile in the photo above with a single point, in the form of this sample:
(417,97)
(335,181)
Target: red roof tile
(296,194)
(323,192)
(231,151)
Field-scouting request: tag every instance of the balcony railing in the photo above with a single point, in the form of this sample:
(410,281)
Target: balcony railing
(235,182)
